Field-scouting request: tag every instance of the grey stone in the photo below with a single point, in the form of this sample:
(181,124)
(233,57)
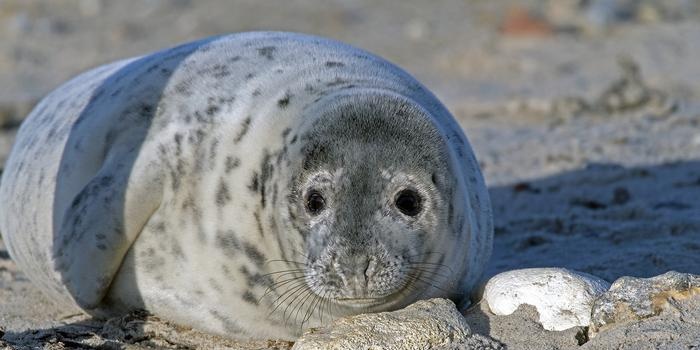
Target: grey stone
(661,312)
(631,299)
(427,324)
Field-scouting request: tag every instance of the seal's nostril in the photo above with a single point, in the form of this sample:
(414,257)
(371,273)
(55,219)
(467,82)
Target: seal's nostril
(370,268)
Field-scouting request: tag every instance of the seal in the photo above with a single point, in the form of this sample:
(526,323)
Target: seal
(248,185)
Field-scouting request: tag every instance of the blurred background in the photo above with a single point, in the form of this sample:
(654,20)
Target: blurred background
(509,61)
(584,114)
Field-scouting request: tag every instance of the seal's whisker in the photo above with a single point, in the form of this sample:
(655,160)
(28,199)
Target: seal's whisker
(422,263)
(300,293)
(430,283)
(424,253)
(310,311)
(329,305)
(323,304)
(292,290)
(426,270)
(431,271)
(432,276)
(293,285)
(426,280)
(276,285)
(285,261)
(301,304)
(283,271)
(285,277)
(300,253)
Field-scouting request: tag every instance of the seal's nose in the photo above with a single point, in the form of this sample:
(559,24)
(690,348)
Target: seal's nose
(357,272)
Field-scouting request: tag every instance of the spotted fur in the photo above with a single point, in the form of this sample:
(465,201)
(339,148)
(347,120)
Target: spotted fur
(177,182)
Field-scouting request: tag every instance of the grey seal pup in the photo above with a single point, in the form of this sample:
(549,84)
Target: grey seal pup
(249,185)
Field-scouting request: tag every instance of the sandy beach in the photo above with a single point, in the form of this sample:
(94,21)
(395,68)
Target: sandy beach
(585,119)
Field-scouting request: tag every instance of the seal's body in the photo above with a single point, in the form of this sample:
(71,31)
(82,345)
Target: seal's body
(247,185)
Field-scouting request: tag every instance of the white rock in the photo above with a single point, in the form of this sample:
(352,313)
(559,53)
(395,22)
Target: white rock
(563,298)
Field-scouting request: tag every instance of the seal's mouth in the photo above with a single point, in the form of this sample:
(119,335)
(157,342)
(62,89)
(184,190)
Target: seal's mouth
(373,302)
(360,302)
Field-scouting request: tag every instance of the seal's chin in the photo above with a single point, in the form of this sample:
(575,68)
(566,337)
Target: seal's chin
(378,303)
(360,302)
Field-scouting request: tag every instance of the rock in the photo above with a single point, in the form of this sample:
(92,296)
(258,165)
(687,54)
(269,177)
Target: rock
(427,324)
(629,92)
(631,299)
(563,298)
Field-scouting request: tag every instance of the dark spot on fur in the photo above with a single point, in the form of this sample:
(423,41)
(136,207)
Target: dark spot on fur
(284,101)
(176,250)
(196,137)
(231,163)
(267,52)
(226,241)
(332,64)
(286,132)
(211,110)
(226,100)
(249,76)
(256,92)
(258,222)
(220,71)
(213,151)
(254,183)
(230,325)
(223,195)
(250,298)
(178,144)
(244,129)
(183,88)
(266,170)
(159,227)
(255,279)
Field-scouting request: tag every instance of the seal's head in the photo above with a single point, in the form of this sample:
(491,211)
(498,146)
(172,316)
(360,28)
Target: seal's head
(375,196)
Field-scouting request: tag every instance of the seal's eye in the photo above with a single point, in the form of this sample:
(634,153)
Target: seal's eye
(315,202)
(408,202)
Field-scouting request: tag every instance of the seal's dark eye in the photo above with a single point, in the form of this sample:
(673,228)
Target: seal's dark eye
(408,202)
(315,202)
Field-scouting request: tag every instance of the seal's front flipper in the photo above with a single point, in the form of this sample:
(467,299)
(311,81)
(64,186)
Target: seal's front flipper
(100,225)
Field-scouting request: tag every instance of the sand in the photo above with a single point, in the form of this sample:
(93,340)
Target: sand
(586,124)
